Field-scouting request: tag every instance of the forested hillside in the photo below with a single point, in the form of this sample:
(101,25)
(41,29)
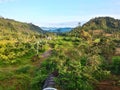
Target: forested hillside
(105,26)
(104,23)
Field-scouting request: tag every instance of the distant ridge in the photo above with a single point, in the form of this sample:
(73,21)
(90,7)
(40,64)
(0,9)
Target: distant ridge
(57,29)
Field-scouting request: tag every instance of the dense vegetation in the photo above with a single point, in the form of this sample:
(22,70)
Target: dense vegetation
(81,57)
(16,39)
(104,23)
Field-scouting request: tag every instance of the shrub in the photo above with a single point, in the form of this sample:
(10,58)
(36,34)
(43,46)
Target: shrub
(101,74)
(115,67)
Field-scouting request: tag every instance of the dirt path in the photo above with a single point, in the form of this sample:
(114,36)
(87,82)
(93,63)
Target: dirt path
(46,54)
(6,69)
(42,58)
(107,85)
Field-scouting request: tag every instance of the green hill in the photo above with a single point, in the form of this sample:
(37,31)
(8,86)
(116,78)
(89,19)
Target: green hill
(12,30)
(98,26)
(102,23)
(16,26)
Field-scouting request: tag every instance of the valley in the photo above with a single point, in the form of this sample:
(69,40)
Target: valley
(86,57)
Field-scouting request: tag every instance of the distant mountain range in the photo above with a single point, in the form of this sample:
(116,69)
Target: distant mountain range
(56,29)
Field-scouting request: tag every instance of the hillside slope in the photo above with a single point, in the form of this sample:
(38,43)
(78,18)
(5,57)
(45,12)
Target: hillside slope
(14,31)
(18,39)
(104,23)
(16,26)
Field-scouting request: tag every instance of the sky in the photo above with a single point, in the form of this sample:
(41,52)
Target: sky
(58,13)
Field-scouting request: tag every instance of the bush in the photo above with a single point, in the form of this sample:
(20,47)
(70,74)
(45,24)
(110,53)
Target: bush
(115,67)
(101,74)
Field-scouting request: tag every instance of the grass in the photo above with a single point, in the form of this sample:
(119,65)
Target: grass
(15,81)
(19,75)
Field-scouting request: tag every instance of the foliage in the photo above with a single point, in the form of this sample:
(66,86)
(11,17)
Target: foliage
(103,23)
(102,74)
(115,67)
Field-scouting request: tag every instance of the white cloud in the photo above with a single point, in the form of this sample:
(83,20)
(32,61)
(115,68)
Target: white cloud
(65,21)
(64,24)
(71,21)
